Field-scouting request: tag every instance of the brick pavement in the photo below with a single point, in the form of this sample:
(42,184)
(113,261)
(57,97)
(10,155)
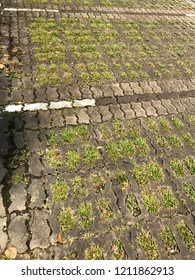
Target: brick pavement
(29,115)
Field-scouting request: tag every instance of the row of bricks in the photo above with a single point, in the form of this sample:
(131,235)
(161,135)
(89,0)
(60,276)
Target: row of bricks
(106,91)
(69,116)
(79,14)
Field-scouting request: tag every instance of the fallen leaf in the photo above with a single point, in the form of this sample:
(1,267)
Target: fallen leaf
(60,239)
(11,252)
(2,66)
(99,147)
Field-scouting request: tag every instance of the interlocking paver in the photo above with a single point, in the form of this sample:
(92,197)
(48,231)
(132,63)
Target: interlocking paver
(105,113)
(169,107)
(161,110)
(95,122)
(137,108)
(150,110)
(83,117)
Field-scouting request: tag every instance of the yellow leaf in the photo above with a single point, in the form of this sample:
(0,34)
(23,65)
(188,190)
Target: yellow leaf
(99,147)
(60,239)
(2,66)
(11,252)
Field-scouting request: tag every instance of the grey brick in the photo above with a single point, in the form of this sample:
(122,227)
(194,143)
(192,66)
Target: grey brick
(94,115)
(179,107)
(139,111)
(126,88)
(83,117)
(126,108)
(97,93)
(71,120)
(107,91)
(136,88)
(161,110)
(116,111)
(150,110)
(154,86)
(105,113)
(187,104)
(117,90)
(169,107)
(75,92)
(145,87)
(57,118)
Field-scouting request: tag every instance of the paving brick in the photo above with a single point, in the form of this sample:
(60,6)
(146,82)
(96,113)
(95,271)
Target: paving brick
(150,110)
(161,110)
(18,232)
(186,102)
(94,115)
(18,197)
(189,84)
(116,111)
(192,100)
(75,92)
(38,226)
(3,235)
(181,85)
(57,119)
(32,140)
(169,107)
(44,118)
(52,94)
(97,93)
(82,115)
(137,108)
(179,107)
(145,87)
(117,90)
(164,86)
(126,108)
(105,113)
(19,140)
(30,119)
(136,88)
(71,120)
(107,91)
(86,93)
(106,101)
(126,89)
(37,194)
(154,86)
(173,86)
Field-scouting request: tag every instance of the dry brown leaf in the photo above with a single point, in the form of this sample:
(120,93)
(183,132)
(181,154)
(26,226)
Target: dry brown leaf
(11,252)
(60,239)
(2,66)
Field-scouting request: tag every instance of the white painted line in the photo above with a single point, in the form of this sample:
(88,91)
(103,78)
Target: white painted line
(35,107)
(84,103)
(53,105)
(29,10)
(13,108)
(190,15)
(60,104)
